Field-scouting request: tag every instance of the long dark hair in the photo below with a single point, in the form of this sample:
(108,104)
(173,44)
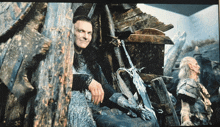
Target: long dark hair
(90,56)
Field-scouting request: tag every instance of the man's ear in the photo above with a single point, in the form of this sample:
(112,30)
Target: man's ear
(190,66)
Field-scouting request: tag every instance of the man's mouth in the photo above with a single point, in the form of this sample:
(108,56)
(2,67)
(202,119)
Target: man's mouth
(83,41)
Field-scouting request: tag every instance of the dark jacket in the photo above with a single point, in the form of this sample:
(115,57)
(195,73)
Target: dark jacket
(82,81)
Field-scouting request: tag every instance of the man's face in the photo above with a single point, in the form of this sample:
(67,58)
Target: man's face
(83,33)
(194,66)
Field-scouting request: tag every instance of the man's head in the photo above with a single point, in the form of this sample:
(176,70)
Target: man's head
(188,67)
(82,31)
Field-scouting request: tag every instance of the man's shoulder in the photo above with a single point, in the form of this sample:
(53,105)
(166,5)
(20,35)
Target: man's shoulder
(188,81)
(187,87)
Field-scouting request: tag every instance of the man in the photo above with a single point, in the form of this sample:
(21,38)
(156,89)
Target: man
(83,37)
(195,104)
(88,78)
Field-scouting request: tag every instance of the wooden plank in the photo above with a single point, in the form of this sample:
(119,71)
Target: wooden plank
(147,55)
(127,6)
(130,13)
(171,118)
(122,25)
(163,27)
(138,21)
(54,75)
(148,77)
(34,47)
(11,13)
(153,39)
(152,22)
(33,44)
(30,42)
(150,31)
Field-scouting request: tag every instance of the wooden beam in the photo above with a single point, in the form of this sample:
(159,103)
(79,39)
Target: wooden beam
(130,13)
(121,25)
(31,44)
(148,77)
(152,39)
(152,22)
(12,13)
(171,118)
(150,31)
(136,19)
(54,75)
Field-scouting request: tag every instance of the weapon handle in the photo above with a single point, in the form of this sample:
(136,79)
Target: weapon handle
(129,58)
(118,55)
(92,10)
(112,33)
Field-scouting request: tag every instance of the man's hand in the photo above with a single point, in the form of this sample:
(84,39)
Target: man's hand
(97,92)
(187,123)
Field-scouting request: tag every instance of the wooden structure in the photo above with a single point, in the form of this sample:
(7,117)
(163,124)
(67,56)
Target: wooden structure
(45,38)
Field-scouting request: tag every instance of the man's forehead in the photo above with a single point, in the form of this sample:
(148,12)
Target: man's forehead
(193,60)
(82,23)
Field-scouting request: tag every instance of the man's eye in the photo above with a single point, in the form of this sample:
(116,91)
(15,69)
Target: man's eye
(90,33)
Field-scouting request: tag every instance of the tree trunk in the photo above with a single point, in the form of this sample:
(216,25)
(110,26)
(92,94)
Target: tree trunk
(53,78)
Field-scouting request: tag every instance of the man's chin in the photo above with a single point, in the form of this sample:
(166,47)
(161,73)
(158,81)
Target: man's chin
(84,46)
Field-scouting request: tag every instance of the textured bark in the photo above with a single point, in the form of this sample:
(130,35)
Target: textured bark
(150,31)
(137,20)
(148,77)
(171,118)
(152,39)
(54,75)
(152,22)
(130,13)
(123,24)
(150,56)
(33,46)
(11,13)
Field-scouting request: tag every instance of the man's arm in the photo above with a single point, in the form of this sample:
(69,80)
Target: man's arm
(185,114)
(81,81)
(187,93)
(86,81)
(102,81)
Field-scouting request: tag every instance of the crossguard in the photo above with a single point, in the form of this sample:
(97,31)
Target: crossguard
(124,69)
(130,70)
(115,41)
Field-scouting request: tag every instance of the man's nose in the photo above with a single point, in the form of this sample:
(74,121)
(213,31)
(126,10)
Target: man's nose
(86,36)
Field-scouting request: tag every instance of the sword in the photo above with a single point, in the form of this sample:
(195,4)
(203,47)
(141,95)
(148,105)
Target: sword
(138,82)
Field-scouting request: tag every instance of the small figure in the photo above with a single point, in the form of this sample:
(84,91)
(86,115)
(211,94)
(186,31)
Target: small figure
(195,104)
